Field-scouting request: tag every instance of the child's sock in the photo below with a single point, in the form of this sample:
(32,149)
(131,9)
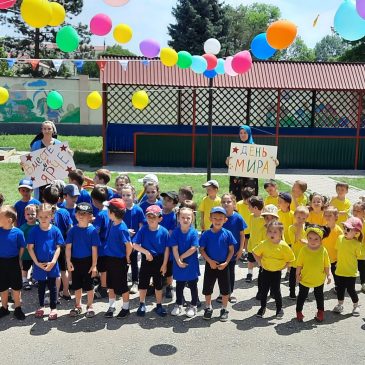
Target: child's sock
(111,303)
(125,305)
(250,271)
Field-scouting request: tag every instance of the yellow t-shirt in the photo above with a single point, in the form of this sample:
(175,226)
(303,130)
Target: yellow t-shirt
(242,209)
(287,218)
(206,206)
(342,206)
(272,200)
(330,242)
(302,200)
(313,264)
(257,231)
(363,243)
(316,218)
(274,256)
(296,245)
(348,252)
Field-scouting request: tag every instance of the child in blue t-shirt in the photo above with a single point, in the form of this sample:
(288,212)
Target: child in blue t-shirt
(81,256)
(185,242)
(11,248)
(44,246)
(70,193)
(152,193)
(77,177)
(217,248)
(152,241)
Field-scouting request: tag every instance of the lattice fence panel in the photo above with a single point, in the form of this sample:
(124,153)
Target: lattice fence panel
(295,108)
(263,108)
(187,106)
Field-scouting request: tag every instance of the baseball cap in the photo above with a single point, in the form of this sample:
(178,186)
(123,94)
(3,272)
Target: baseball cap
(59,184)
(149,177)
(218,210)
(116,203)
(285,196)
(71,189)
(270,209)
(154,209)
(25,183)
(211,183)
(353,223)
(84,207)
(271,182)
(171,194)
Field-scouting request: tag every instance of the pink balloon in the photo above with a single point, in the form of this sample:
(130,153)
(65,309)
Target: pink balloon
(360,7)
(228,67)
(242,62)
(116,2)
(149,48)
(6,4)
(100,24)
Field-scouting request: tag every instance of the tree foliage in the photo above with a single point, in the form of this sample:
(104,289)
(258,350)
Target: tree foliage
(298,51)
(330,48)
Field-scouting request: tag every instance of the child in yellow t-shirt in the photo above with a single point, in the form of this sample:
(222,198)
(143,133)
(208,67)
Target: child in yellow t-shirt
(210,201)
(286,216)
(313,266)
(316,207)
(273,255)
(297,193)
(358,211)
(271,188)
(348,249)
(341,202)
(297,240)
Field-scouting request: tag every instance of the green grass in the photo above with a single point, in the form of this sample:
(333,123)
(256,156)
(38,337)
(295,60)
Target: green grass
(357,182)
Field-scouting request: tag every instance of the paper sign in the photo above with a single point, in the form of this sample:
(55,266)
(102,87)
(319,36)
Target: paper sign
(252,160)
(48,164)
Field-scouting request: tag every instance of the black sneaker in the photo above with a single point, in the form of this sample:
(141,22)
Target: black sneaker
(123,313)
(223,315)
(279,313)
(4,312)
(208,312)
(168,292)
(19,314)
(109,313)
(261,312)
(248,278)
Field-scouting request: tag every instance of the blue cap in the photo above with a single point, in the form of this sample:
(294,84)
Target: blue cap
(71,189)
(218,210)
(25,183)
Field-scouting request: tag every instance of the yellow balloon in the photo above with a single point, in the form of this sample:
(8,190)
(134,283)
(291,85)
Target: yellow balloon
(4,95)
(36,13)
(123,33)
(140,99)
(94,100)
(58,14)
(168,56)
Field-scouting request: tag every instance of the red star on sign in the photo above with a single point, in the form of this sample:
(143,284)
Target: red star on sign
(29,158)
(69,169)
(235,149)
(63,148)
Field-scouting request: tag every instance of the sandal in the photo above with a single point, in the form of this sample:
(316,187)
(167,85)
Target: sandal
(90,312)
(52,316)
(39,313)
(75,312)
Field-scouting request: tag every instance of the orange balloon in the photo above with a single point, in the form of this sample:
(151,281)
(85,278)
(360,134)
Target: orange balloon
(281,34)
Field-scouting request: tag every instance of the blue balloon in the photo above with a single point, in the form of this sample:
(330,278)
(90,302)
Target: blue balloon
(210,74)
(219,69)
(260,48)
(348,23)
(199,64)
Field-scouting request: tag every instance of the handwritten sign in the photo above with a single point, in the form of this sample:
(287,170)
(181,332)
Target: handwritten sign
(252,160)
(48,164)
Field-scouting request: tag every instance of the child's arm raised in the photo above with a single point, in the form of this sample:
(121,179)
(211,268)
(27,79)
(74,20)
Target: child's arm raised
(223,265)
(213,264)
(93,270)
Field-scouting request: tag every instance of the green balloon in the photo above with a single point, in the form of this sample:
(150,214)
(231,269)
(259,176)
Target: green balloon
(54,100)
(67,39)
(184,59)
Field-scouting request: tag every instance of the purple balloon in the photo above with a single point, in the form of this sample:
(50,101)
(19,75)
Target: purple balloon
(149,48)
(360,7)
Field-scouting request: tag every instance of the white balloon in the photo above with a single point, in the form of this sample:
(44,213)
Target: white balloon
(212,46)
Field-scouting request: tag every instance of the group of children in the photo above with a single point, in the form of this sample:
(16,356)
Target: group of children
(74,237)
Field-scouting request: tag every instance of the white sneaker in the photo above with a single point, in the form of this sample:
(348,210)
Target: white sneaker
(177,310)
(363,288)
(356,310)
(191,311)
(134,288)
(338,308)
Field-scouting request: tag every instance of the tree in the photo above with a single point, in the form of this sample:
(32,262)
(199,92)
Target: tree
(197,21)
(4,69)
(355,53)
(330,48)
(298,51)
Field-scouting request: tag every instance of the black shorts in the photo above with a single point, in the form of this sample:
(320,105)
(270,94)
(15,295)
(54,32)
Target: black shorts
(169,269)
(10,274)
(211,276)
(150,269)
(116,274)
(81,279)
(251,257)
(62,259)
(27,264)
(101,263)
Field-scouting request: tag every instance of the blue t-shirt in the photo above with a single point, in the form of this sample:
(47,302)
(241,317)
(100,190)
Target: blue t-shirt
(11,241)
(84,197)
(144,205)
(102,224)
(72,213)
(169,221)
(217,244)
(133,217)
(184,241)
(235,224)
(116,240)
(153,241)
(82,241)
(62,221)
(20,207)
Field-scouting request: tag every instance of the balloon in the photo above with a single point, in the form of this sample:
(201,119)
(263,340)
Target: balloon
(67,39)
(260,48)
(220,67)
(116,2)
(228,67)
(210,74)
(149,48)
(54,100)
(242,62)
(168,57)
(94,100)
(4,95)
(36,13)
(58,14)
(211,60)
(348,23)
(199,64)
(6,4)
(123,33)
(360,7)
(100,24)
(140,99)
(281,34)
(184,59)
(212,46)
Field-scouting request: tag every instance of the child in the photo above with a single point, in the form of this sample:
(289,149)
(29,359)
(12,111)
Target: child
(81,256)
(30,213)
(146,179)
(297,240)
(273,255)
(11,248)
(152,193)
(358,211)
(271,188)
(297,193)
(217,248)
(341,202)
(44,246)
(286,216)
(317,204)
(25,189)
(192,205)
(102,177)
(120,181)
(185,193)
(185,242)
(313,266)
(210,201)
(348,249)
(77,177)
(71,193)
(152,241)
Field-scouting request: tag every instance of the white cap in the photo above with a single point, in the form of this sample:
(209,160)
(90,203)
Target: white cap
(149,177)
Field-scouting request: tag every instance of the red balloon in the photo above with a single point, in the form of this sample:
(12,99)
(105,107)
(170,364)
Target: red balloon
(242,62)
(211,60)
(6,4)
